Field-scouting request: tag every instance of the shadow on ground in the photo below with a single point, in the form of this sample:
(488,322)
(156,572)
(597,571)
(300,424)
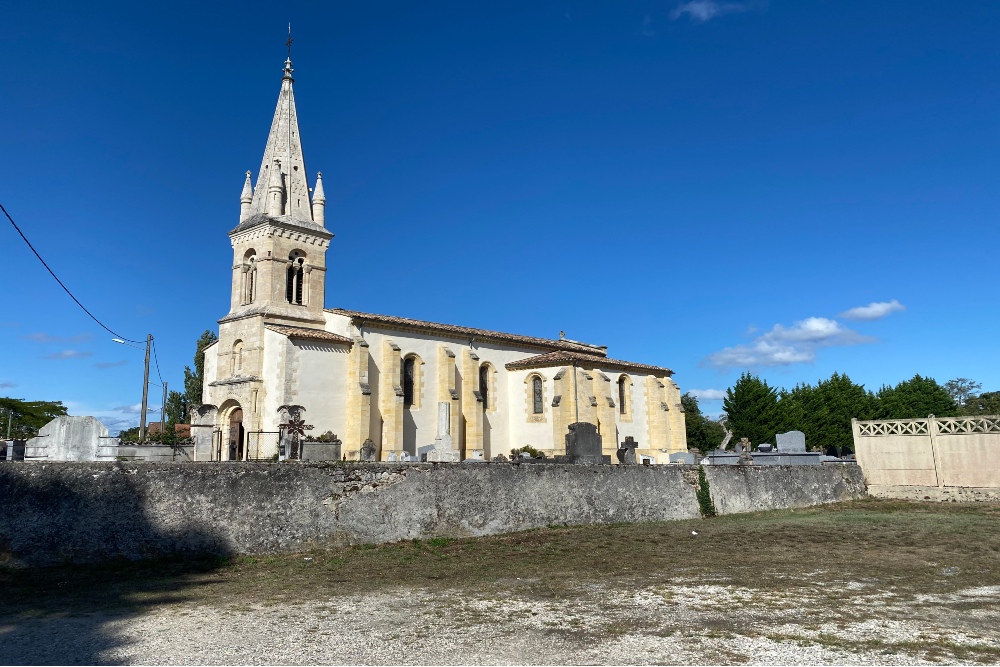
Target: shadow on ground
(78,560)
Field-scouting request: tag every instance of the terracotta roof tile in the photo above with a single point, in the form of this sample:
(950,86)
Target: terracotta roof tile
(545,343)
(311,334)
(561,357)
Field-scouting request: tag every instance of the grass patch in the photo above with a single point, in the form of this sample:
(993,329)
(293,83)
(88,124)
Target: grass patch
(897,546)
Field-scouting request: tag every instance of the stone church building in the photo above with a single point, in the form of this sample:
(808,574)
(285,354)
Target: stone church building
(395,383)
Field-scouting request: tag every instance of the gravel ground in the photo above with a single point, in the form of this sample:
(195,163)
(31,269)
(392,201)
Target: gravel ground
(678,623)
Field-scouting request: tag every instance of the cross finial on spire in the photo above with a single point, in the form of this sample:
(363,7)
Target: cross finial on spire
(288,44)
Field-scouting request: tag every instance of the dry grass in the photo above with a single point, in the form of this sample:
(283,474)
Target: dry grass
(902,546)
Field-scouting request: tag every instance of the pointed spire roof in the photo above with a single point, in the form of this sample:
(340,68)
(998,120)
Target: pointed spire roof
(284,145)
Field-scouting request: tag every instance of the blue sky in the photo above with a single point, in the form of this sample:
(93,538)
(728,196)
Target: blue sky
(709,186)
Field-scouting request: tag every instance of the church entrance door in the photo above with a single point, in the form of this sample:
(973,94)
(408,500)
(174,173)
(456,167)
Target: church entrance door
(236,435)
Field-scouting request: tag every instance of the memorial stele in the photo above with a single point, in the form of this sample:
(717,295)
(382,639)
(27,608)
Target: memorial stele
(282,355)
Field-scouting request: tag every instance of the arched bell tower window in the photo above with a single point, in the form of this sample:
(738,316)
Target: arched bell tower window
(625,397)
(249,276)
(294,287)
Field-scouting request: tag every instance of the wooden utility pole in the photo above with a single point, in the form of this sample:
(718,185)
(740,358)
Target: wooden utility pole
(145,393)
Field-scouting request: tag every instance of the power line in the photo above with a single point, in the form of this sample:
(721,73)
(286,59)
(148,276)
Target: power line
(66,289)
(157,363)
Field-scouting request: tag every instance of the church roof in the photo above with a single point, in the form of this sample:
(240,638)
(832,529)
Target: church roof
(311,334)
(562,357)
(591,351)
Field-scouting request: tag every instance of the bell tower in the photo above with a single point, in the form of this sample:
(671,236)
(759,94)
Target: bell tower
(280,244)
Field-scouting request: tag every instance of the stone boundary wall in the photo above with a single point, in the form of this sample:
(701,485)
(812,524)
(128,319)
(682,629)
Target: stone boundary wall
(89,512)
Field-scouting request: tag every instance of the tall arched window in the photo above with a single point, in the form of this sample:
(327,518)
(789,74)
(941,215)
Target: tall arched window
(237,361)
(296,276)
(409,376)
(537,403)
(249,276)
(623,395)
(484,385)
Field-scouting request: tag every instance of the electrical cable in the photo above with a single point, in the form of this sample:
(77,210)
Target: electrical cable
(157,363)
(66,289)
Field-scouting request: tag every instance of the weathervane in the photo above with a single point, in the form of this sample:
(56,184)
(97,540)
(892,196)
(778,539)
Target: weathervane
(288,44)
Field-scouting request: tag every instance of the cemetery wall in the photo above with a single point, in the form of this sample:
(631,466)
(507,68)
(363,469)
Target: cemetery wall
(937,458)
(79,512)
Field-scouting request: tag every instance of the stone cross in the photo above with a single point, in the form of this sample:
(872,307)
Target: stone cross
(626,451)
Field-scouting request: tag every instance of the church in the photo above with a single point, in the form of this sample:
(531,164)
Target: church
(391,388)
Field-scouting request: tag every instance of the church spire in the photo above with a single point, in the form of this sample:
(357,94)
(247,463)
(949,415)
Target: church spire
(285,146)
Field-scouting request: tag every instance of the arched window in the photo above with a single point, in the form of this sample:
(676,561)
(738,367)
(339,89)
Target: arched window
(623,395)
(296,276)
(409,377)
(249,276)
(537,402)
(484,385)
(237,361)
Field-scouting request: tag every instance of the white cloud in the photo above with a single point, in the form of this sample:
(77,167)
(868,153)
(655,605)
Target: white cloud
(704,10)
(68,354)
(708,394)
(784,346)
(873,311)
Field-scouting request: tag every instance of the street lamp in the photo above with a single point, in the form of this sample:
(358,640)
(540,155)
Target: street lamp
(145,386)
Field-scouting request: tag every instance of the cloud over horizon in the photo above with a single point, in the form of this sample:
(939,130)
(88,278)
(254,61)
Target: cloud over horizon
(875,310)
(111,364)
(784,346)
(7,385)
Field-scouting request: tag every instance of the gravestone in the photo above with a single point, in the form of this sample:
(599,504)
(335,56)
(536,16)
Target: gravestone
(583,444)
(443,450)
(626,452)
(765,447)
(391,457)
(368,450)
(683,458)
(792,441)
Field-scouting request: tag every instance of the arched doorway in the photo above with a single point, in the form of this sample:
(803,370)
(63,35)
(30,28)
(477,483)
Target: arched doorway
(236,435)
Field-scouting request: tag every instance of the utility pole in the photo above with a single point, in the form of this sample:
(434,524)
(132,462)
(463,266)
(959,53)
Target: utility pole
(145,393)
(163,411)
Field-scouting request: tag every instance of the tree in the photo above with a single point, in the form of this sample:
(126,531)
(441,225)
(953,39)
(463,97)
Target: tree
(913,398)
(194,380)
(26,417)
(961,390)
(824,412)
(752,408)
(703,434)
(987,403)
(176,409)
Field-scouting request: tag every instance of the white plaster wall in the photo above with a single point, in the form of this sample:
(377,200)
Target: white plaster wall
(211,368)
(637,428)
(522,432)
(425,346)
(274,379)
(321,384)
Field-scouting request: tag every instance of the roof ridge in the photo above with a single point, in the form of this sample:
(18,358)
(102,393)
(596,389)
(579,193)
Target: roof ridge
(555,344)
